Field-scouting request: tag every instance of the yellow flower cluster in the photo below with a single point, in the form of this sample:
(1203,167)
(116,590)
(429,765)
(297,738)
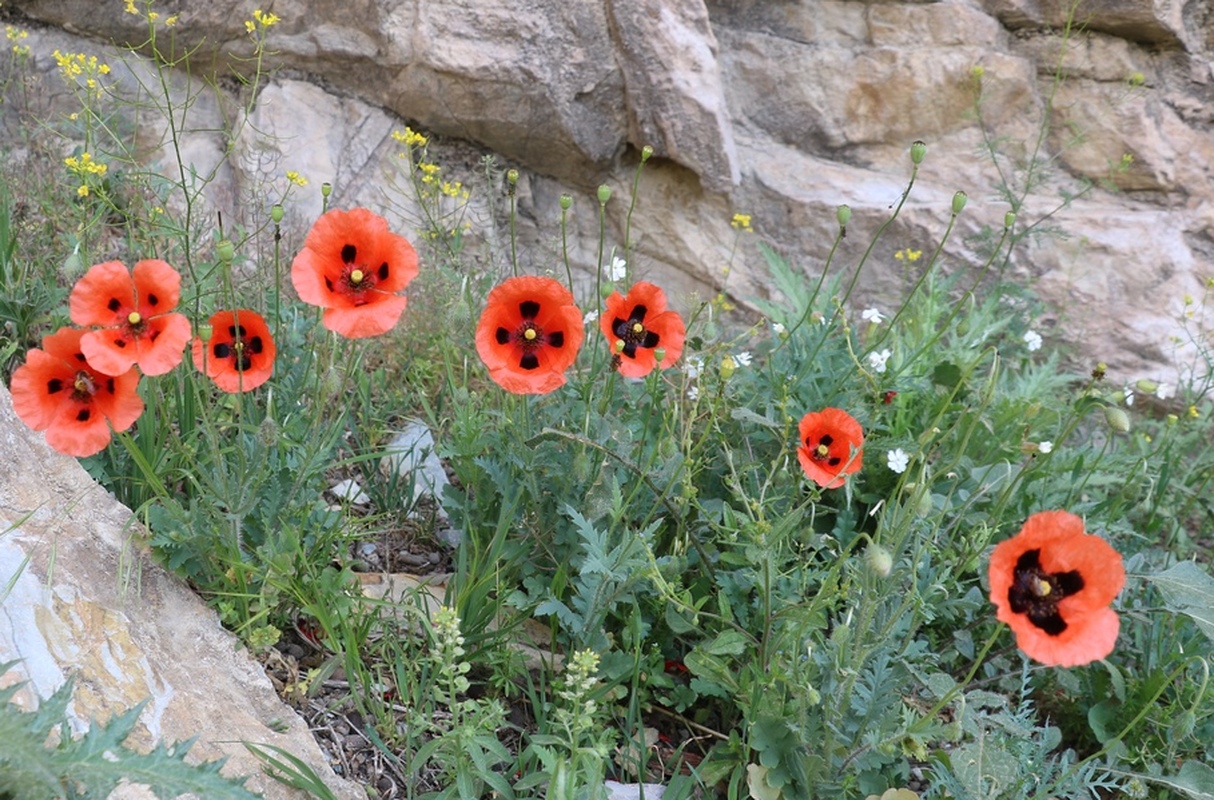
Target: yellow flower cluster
(410,138)
(429,171)
(908,255)
(17,36)
(742,222)
(73,66)
(297,179)
(262,20)
(85,165)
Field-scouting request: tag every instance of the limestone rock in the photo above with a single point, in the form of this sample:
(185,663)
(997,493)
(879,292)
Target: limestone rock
(86,600)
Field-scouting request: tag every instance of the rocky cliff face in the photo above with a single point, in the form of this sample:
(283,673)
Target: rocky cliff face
(773,108)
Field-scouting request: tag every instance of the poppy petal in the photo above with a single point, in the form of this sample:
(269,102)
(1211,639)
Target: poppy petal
(109,350)
(158,287)
(40,386)
(103,296)
(79,430)
(162,346)
(371,319)
(539,308)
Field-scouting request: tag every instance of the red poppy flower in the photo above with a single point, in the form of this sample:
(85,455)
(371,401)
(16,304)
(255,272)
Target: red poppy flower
(239,356)
(352,266)
(642,322)
(529,334)
(132,310)
(58,391)
(831,446)
(1053,584)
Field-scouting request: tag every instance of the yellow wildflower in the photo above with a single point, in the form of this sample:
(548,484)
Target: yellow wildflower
(130,7)
(83,191)
(153,16)
(169,22)
(266,20)
(410,138)
(1193,413)
(297,179)
(741,222)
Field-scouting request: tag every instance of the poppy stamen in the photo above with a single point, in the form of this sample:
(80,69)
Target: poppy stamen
(84,385)
(356,276)
(134,318)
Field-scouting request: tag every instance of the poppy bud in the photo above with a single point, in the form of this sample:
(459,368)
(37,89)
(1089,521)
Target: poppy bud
(225,250)
(1117,418)
(918,151)
(728,367)
(1099,370)
(843,214)
(878,560)
(659,354)
(326,189)
(276,213)
(606,290)
(267,432)
(566,202)
(604,194)
(646,152)
(205,331)
(959,202)
(1009,219)
(512,176)
(925,503)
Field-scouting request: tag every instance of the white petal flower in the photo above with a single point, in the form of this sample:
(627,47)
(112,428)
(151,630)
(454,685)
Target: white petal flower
(777,328)
(617,269)
(1129,396)
(1164,391)
(897,460)
(1032,340)
(590,317)
(743,358)
(693,393)
(877,360)
(693,366)
(1045,447)
(873,315)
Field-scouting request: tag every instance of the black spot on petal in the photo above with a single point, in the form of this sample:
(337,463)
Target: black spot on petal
(54,385)
(556,339)
(650,340)
(221,350)
(153,300)
(638,313)
(827,440)
(255,344)
(114,304)
(348,253)
(836,461)
(529,309)
(529,361)
(109,385)
(383,271)
(502,335)
(83,415)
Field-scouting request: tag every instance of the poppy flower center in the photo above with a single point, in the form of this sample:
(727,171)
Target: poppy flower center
(822,451)
(632,332)
(1037,593)
(134,318)
(240,349)
(356,276)
(529,336)
(83,386)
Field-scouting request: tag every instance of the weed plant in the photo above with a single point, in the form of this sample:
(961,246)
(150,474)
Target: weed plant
(761,550)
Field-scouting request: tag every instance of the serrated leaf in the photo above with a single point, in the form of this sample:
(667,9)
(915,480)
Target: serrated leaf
(728,643)
(940,684)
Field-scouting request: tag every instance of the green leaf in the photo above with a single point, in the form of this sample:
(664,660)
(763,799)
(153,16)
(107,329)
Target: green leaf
(1188,590)
(947,375)
(1195,779)
(729,643)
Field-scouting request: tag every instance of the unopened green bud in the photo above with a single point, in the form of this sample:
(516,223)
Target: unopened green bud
(918,151)
(326,189)
(1117,418)
(205,331)
(606,290)
(276,213)
(619,345)
(925,503)
(959,202)
(566,202)
(843,214)
(267,432)
(1146,386)
(604,194)
(646,152)
(728,367)
(1009,219)
(879,560)
(659,354)
(512,176)
(225,250)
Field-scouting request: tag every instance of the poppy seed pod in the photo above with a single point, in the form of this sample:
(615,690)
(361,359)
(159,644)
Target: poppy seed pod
(225,250)
(604,194)
(1009,219)
(917,151)
(276,213)
(646,153)
(566,202)
(843,215)
(326,189)
(959,200)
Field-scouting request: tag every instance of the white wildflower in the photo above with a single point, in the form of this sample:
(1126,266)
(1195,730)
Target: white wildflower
(693,366)
(617,269)
(590,317)
(1032,340)
(743,359)
(873,315)
(1165,391)
(877,360)
(777,328)
(897,460)
(693,393)
(1129,396)
(1045,447)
